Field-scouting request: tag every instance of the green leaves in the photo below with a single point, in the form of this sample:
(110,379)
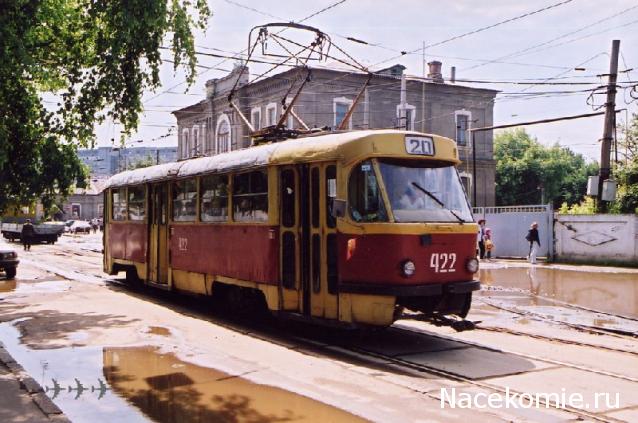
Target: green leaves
(529,173)
(93,55)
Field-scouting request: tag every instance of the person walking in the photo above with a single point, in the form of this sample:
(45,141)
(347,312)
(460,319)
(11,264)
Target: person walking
(480,237)
(534,242)
(26,235)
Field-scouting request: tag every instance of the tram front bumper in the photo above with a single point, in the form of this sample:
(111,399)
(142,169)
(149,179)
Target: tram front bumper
(424,290)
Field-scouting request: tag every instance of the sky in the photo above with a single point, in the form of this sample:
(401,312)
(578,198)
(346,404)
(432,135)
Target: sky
(544,46)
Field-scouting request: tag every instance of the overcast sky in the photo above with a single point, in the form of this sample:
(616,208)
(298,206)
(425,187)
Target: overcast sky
(547,44)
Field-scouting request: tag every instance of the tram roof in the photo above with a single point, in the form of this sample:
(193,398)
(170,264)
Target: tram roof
(300,150)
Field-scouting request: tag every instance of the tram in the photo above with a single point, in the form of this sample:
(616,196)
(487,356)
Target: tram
(345,228)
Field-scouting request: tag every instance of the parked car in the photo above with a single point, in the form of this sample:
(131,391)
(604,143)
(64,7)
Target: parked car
(80,226)
(9,262)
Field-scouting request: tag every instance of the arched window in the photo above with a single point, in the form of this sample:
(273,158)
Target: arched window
(185,144)
(223,135)
(196,147)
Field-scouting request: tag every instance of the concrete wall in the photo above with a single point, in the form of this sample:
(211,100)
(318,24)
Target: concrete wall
(604,238)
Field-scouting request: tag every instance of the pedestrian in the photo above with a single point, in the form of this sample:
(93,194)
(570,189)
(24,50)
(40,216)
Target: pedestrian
(480,238)
(534,242)
(489,244)
(26,235)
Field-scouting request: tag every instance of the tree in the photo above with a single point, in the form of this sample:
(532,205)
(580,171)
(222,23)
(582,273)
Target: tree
(529,173)
(626,172)
(90,55)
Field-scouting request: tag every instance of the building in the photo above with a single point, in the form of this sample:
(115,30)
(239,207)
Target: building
(106,161)
(85,203)
(430,105)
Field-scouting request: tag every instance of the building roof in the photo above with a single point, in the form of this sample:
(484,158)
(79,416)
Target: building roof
(334,146)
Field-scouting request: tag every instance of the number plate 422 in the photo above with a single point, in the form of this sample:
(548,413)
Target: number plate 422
(443,262)
(423,146)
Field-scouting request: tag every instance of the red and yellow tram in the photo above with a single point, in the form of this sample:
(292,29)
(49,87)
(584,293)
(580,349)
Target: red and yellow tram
(346,227)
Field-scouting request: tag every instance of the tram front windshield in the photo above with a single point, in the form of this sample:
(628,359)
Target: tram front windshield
(419,192)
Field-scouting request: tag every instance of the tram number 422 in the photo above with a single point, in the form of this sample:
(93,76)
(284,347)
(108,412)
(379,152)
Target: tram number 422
(422,146)
(443,262)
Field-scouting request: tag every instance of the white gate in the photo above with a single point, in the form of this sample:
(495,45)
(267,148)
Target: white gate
(509,226)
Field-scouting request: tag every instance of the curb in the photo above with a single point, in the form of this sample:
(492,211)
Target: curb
(32,388)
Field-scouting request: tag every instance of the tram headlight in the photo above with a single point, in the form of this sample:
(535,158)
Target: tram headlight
(408,268)
(472,265)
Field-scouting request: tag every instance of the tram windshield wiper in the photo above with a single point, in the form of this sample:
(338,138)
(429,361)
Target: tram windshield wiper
(435,198)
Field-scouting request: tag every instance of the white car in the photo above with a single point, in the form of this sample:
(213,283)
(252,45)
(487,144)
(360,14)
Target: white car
(80,226)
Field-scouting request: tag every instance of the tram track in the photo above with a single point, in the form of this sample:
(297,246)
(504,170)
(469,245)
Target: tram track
(627,335)
(283,337)
(559,302)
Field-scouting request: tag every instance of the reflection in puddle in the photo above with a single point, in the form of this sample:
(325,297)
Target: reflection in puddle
(615,293)
(7,285)
(158,330)
(22,287)
(169,390)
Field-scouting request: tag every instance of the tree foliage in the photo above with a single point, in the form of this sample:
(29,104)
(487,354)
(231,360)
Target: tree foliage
(91,56)
(526,171)
(626,172)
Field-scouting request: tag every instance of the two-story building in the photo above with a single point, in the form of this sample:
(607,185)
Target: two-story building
(391,100)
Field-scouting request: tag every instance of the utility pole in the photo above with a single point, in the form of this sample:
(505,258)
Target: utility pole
(610,119)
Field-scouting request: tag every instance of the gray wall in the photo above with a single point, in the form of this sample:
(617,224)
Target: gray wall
(435,106)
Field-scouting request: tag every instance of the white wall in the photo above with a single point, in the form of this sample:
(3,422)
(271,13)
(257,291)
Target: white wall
(596,238)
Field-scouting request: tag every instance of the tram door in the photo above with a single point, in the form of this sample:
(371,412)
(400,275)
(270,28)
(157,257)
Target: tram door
(158,234)
(308,240)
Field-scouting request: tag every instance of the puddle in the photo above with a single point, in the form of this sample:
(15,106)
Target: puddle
(140,384)
(39,287)
(158,330)
(169,390)
(7,285)
(615,293)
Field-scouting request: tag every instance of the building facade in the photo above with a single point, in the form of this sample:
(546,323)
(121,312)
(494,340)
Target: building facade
(391,100)
(106,161)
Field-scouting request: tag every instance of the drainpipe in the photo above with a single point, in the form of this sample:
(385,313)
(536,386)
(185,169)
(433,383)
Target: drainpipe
(402,112)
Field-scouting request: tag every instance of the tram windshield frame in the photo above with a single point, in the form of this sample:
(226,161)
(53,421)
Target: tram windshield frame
(416,191)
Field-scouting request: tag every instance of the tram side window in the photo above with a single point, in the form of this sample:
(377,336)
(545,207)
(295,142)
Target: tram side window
(136,203)
(118,201)
(250,197)
(214,198)
(185,201)
(364,195)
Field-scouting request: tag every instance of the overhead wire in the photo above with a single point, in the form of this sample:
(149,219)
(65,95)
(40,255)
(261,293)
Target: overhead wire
(528,50)
(476,31)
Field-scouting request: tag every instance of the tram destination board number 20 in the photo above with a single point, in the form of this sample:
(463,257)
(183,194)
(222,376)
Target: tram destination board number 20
(423,146)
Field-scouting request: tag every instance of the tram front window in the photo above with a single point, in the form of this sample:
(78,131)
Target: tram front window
(366,203)
(418,193)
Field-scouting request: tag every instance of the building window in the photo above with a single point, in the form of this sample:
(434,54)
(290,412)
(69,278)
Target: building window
(185,200)
(118,203)
(250,197)
(255,118)
(408,122)
(195,147)
(214,198)
(341,106)
(271,114)
(462,119)
(136,203)
(185,143)
(223,136)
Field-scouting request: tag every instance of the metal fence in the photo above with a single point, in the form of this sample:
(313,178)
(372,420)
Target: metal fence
(510,224)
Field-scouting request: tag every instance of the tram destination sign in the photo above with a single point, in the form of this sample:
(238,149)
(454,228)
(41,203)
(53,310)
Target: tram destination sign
(422,146)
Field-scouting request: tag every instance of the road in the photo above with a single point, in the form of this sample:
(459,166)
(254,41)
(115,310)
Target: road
(553,334)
